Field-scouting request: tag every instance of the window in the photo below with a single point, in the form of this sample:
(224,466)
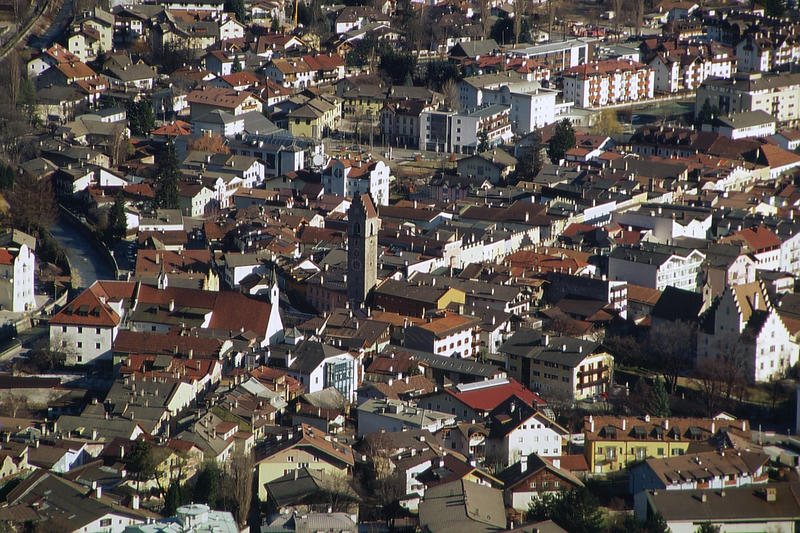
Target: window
(97,346)
(97,331)
(63,329)
(80,329)
(105,522)
(80,344)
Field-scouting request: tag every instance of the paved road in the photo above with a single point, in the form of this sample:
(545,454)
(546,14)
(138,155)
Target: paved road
(87,264)
(55,30)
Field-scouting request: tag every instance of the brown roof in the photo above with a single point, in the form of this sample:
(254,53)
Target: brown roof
(657,429)
(217,96)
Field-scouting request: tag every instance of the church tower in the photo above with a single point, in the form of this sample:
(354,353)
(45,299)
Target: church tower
(362,249)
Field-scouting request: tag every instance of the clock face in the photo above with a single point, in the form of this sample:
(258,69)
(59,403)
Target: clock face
(356,264)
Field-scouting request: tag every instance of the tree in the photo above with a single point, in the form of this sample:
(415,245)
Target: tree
(142,463)
(450,93)
(117,221)
(398,66)
(774,8)
(503,30)
(563,139)
(657,403)
(47,360)
(485,18)
(141,119)
(14,73)
(708,527)
(670,350)
(117,144)
(168,175)
(237,65)
(12,404)
(6,176)
(206,487)
(177,494)
(575,510)
(607,123)
(32,204)
(706,114)
(241,474)
(531,162)
(483,141)
(237,8)
(212,142)
(26,99)
(629,523)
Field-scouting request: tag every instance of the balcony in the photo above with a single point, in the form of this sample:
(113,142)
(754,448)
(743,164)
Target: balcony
(601,381)
(600,370)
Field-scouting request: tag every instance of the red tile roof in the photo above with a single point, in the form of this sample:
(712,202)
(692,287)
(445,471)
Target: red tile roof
(488,398)
(6,258)
(758,238)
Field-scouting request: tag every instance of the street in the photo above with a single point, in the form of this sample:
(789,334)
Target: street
(87,264)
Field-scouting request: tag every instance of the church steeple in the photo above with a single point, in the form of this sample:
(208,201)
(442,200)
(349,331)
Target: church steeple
(362,249)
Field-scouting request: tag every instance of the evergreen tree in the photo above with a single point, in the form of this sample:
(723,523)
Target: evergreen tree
(6,176)
(483,142)
(706,114)
(177,494)
(168,175)
(141,119)
(575,510)
(206,487)
(237,66)
(117,222)
(237,8)
(531,163)
(563,139)
(657,402)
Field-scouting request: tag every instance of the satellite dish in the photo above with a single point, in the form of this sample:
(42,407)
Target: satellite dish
(318,160)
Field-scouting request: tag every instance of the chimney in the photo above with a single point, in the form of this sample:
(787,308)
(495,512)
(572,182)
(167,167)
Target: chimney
(171,305)
(624,424)
(770,494)
(556,462)
(591,423)
(666,424)
(135,502)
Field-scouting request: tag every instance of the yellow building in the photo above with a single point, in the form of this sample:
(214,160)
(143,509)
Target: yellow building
(613,443)
(302,447)
(315,118)
(364,101)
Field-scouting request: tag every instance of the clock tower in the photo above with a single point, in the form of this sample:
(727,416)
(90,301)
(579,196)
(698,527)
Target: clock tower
(362,249)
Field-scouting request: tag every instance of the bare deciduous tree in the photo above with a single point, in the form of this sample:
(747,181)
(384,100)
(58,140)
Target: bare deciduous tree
(486,24)
(670,350)
(450,93)
(241,475)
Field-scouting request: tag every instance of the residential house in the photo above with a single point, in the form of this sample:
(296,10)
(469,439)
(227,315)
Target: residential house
(319,366)
(299,448)
(49,500)
(207,99)
(614,443)
(17,268)
(400,122)
(394,415)
(533,477)
(461,506)
(476,400)
(355,176)
(744,327)
(449,334)
(611,81)
(704,470)
(771,508)
(517,430)
(493,165)
(571,368)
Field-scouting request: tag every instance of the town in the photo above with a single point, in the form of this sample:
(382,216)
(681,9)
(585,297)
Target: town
(399,266)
